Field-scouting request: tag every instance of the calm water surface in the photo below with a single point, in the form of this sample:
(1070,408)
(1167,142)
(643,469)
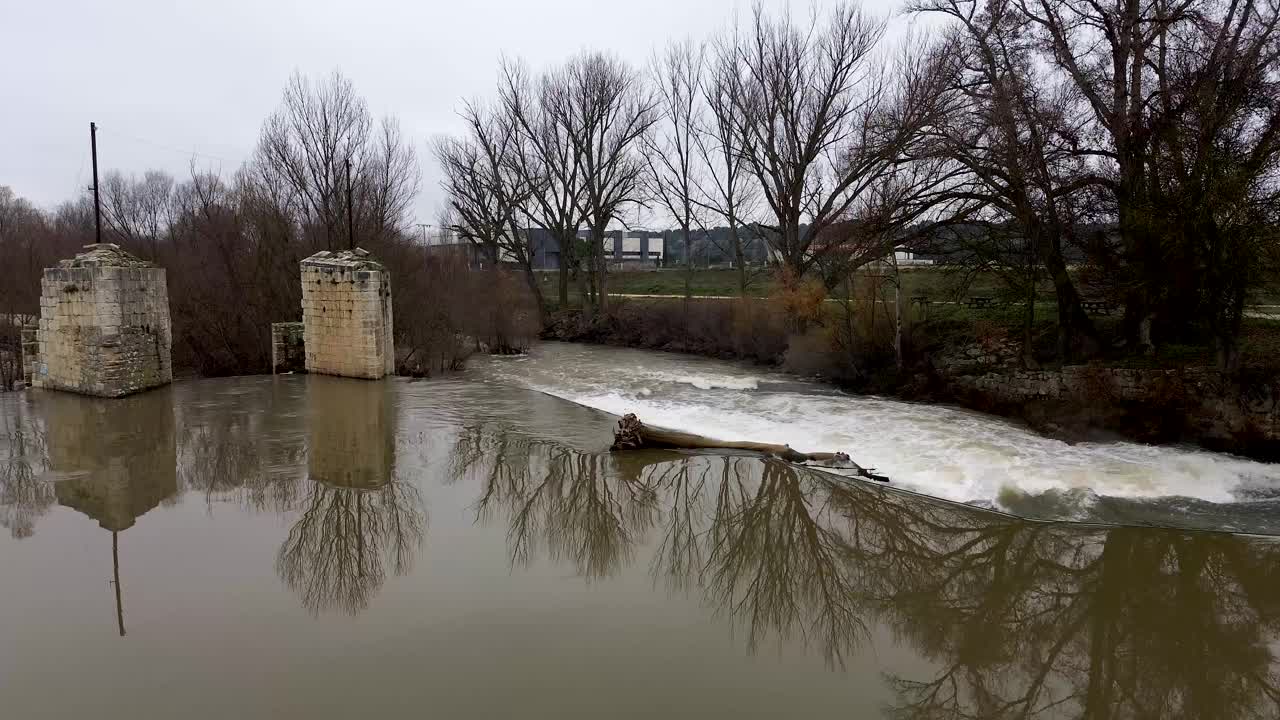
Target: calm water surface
(313,547)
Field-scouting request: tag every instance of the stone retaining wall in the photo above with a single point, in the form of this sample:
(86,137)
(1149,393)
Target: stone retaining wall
(1195,404)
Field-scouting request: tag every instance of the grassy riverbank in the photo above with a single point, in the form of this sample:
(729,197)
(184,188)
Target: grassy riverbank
(939,284)
(935,283)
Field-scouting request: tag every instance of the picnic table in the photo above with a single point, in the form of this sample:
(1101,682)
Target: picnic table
(981,301)
(1100,306)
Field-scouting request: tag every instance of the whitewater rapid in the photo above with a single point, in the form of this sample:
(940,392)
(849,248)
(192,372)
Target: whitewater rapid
(940,451)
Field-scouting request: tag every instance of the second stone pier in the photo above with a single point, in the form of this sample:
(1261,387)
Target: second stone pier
(346,314)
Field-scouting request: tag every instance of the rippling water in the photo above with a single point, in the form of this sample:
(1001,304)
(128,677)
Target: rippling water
(309,547)
(944,452)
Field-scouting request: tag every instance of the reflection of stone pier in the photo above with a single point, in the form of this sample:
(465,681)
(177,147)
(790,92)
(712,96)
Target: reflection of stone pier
(114,461)
(104,325)
(357,520)
(352,427)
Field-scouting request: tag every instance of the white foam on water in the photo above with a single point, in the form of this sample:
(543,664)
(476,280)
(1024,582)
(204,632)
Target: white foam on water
(941,451)
(703,382)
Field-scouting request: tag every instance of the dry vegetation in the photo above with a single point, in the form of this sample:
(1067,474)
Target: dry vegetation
(1073,153)
(1139,141)
(231,245)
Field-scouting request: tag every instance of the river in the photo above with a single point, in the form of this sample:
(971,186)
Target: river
(944,452)
(314,547)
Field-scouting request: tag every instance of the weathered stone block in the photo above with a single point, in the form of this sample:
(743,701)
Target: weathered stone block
(347,322)
(288,347)
(90,339)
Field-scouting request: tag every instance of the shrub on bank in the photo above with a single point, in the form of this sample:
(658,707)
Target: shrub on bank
(741,329)
(731,329)
(445,312)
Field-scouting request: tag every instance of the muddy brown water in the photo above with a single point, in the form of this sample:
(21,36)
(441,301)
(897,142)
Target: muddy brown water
(309,547)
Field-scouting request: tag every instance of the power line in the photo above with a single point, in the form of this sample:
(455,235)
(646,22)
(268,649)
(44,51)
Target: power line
(162,146)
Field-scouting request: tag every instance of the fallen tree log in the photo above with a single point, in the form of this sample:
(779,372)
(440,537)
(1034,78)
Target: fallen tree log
(631,434)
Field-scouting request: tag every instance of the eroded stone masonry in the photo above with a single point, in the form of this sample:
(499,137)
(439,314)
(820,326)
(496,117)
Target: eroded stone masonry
(346,314)
(104,325)
(288,347)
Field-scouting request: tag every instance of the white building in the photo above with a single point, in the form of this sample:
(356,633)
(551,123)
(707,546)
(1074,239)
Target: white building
(633,248)
(906,257)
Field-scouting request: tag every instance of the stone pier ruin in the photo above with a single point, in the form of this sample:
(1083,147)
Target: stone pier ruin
(288,348)
(104,325)
(30,352)
(346,314)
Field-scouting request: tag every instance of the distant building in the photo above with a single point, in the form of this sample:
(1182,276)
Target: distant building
(449,244)
(907,257)
(544,249)
(623,249)
(633,251)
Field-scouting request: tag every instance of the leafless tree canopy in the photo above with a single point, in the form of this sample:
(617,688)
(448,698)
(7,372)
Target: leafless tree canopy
(305,149)
(605,108)
(675,169)
(1122,152)
(819,123)
(231,243)
(488,191)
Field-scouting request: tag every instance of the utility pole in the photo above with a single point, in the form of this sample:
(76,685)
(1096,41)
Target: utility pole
(351,220)
(97,205)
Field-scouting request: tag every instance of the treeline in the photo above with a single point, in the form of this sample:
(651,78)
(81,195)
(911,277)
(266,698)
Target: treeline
(1141,138)
(324,175)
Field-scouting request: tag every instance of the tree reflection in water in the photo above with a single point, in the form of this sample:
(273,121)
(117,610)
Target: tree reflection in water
(1023,620)
(248,454)
(111,460)
(573,504)
(1125,623)
(357,516)
(336,555)
(24,497)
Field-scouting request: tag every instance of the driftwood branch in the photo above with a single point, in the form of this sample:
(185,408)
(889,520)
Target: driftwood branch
(631,434)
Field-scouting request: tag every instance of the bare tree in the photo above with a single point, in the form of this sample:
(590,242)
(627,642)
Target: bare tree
(386,179)
(307,144)
(486,191)
(139,210)
(1015,133)
(1215,163)
(605,109)
(726,189)
(1105,50)
(671,152)
(545,160)
(809,98)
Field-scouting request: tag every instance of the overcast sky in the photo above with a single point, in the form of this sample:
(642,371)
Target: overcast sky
(166,78)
